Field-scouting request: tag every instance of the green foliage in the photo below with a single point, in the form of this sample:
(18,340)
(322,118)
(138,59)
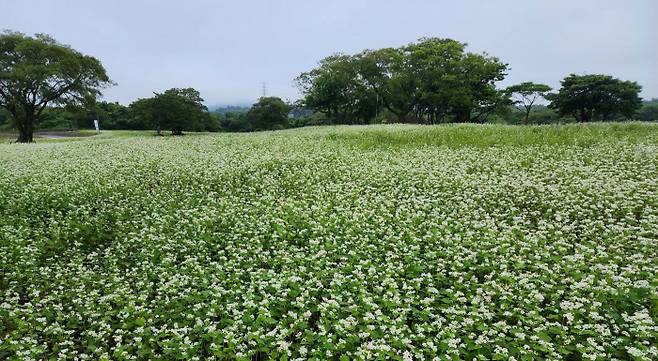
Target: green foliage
(110,116)
(596,97)
(312,119)
(236,122)
(143,114)
(51,73)
(528,90)
(269,113)
(6,121)
(524,96)
(214,123)
(175,109)
(335,88)
(231,109)
(56,118)
(648,111)
(455,85)
(459,241)
(389,74)
(539,114)
(431,81)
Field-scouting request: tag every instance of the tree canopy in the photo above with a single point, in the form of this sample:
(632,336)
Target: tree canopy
(335,88)
(596,97)
(269,113)
(36,72)
(177,109)
(46,84)
(649,111)
(433,79)
(524,96)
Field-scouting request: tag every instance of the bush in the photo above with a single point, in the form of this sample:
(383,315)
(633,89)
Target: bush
(648,112)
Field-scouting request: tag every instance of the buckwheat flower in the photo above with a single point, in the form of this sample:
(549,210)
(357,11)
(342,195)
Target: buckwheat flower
(283,345)
(569,317)
(407,356)
(635,352)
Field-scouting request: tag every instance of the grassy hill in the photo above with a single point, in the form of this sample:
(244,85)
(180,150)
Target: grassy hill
(397,241)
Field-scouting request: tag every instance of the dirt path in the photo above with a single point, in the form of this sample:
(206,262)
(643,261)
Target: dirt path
(62,134)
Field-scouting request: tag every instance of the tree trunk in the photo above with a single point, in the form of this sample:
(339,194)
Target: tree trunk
(527,115)
(159,125)
(463,115)
(585,115)
(401,114)
(25,127)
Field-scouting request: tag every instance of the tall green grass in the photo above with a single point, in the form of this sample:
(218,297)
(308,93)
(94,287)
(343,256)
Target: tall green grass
(458,135)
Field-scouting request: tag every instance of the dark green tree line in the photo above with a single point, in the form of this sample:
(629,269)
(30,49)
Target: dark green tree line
(433,80)
(596,97)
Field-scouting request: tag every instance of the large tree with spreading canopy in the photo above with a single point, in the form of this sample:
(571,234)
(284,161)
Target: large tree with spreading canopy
(596,97)
(36,72)
(177,109)
(433,80)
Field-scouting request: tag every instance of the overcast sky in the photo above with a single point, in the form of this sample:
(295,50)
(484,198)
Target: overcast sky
(228,49)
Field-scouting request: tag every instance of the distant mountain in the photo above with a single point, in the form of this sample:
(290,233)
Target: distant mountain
(231,109)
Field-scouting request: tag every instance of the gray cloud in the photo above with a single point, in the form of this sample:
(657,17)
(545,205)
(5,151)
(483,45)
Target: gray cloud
(227,49)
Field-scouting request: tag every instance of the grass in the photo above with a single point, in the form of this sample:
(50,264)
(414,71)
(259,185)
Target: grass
(363,242)
(460,135)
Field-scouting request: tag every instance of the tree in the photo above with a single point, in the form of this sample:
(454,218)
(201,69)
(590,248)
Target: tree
(434,78)
(236,122)
(110,115)
(390,75)
(143,114)
(175,109)
(336,89)
(56,118)
(38,71)
(649,111)
(524,96)
(5,119)
(185,110)
(474,97)
(269,113)
(596,96)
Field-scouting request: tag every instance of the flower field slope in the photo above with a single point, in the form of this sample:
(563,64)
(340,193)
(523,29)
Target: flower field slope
(375,242)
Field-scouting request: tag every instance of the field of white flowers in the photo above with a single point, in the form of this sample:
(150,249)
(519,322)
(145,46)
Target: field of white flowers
(378,242)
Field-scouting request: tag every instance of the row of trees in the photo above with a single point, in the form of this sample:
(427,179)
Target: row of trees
(174,110)
(42,80)
(183,109)
(583,97)
(437,80)
(430,81)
